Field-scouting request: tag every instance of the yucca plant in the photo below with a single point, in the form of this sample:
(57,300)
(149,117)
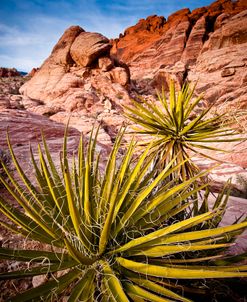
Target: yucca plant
(177,130)
(103,231)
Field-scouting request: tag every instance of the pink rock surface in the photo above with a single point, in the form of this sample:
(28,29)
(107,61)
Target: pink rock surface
(78,75)
(88,47)
(221,66)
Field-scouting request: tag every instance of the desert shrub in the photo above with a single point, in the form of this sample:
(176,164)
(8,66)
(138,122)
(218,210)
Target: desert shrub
(109,231)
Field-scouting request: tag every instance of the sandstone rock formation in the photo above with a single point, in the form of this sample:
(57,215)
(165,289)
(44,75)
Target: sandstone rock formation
(8,72)
(221,65)
(9,92)
(32,72)
(87,76)
(79,76)
(88,47)
(207,45)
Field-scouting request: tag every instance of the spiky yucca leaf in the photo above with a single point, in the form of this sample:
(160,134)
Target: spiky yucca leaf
(176,130)
(111,235)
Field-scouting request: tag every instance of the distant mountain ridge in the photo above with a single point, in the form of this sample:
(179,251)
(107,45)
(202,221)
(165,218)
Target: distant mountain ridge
(23,73)
(11,72)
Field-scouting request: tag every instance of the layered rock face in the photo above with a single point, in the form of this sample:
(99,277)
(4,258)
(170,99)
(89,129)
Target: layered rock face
(207,45)
(221,67)
(79,76)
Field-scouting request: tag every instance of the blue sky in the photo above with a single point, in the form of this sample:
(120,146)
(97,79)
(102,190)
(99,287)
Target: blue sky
(30,28)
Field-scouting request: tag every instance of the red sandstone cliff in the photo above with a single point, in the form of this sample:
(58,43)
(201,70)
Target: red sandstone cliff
(180,37)
(207,45)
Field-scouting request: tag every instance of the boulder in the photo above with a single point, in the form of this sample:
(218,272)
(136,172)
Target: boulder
(164,75)
(4,103)
(119,75)
(88,47)
(151,24)
(105,63)
(61,51)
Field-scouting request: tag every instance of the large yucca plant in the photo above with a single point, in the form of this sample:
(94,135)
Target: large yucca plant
(108,232)
(176,129)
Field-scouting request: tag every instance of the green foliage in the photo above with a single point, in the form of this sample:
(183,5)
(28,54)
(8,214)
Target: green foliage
(176,130)
(110,231)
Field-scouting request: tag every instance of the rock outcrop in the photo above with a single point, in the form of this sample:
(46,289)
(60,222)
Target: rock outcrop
(207,45)
(79,76)
(9,72)
(32,72)
(221,66)
(87,77)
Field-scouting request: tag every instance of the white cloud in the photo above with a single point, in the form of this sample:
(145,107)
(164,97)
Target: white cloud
(29,47)
(12,36)
(25,48)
